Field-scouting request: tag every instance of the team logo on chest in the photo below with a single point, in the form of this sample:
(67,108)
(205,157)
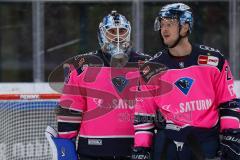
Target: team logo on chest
(184,84)
(120,83)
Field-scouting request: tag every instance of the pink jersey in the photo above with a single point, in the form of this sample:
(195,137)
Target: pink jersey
(102,104)
(103,99)
(200,83)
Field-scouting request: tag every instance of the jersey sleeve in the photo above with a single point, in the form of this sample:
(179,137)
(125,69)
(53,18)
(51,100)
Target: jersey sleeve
(151,87)
(71,107)
(225,95)
(145,112)
(224,84)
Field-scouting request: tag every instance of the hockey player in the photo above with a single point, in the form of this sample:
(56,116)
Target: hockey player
(201,104)
(97,102)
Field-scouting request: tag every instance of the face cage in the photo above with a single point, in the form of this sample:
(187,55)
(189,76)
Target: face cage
(115,45)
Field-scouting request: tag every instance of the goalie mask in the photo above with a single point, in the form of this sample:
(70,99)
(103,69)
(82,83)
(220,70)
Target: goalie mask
(114,36)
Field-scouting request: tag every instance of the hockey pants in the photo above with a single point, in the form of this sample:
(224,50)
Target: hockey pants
(168,148)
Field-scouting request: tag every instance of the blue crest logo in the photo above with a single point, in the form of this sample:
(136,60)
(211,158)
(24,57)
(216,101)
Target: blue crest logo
(120,83)
(184,84)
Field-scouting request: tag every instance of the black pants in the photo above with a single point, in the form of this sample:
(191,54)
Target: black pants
(165,149)
(81,157)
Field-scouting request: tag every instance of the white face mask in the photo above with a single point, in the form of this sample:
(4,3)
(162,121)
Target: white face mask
(114,36)
(117,42)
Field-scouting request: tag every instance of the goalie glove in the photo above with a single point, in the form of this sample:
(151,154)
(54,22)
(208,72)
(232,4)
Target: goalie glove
(141,153)
(230,144)
(62,148)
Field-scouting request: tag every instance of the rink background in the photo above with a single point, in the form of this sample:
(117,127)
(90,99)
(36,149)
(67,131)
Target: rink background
(41,88)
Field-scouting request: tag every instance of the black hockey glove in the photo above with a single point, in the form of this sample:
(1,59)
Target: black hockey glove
(141,153)
(230,144)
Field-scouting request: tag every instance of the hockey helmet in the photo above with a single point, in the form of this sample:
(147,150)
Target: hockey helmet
(179,11)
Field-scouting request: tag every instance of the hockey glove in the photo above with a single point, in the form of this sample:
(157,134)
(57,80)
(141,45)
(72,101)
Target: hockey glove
(230,144)
(62,148)
(141,153)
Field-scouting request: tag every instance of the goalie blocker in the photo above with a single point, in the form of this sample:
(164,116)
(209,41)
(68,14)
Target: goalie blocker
(62,148)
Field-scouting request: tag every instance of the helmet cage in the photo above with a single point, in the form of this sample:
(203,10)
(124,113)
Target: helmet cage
(117,42)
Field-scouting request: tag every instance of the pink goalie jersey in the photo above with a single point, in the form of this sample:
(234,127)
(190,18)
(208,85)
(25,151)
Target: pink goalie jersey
(99,108)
